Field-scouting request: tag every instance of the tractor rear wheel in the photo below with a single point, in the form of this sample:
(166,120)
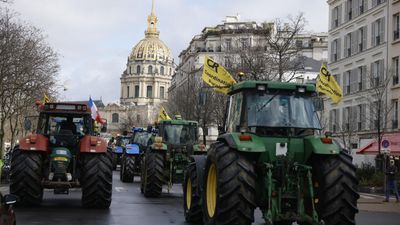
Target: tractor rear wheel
(335,185)
(26,177)
(96,180)
(192,194)
(229,187)
(127,168)
(153,174)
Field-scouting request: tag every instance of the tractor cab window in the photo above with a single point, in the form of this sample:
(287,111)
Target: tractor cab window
(281,111)
(235,109)
(122,141)
(64,125)
(180,134)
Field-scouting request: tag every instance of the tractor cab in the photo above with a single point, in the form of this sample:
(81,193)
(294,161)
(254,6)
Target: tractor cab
(272,109)
(178,132)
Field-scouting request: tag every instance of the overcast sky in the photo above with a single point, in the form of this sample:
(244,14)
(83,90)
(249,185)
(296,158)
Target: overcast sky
(95,37)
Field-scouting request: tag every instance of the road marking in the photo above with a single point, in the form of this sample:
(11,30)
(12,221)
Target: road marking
(367,197)
(119,189)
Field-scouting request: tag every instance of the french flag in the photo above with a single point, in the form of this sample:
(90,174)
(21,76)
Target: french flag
(95,113)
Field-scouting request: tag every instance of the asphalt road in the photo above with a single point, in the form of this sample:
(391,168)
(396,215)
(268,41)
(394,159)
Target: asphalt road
(130,207)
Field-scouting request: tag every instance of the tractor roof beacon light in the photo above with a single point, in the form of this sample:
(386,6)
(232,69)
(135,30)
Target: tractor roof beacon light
(241,75)
(301,89)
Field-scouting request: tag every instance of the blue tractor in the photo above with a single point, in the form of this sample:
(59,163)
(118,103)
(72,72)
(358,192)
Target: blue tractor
(131,157)
(118,150)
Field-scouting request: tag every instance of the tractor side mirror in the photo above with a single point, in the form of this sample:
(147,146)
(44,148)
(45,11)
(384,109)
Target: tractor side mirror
(318,104)
(104,128)
(27,124)
(221,130)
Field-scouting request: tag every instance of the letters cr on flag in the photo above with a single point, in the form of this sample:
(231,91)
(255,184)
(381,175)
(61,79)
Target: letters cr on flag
(327,84)
(95,113)
(162,115)
(216,76)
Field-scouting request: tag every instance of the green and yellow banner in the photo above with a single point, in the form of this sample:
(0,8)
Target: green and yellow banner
(216,76)
(327,84)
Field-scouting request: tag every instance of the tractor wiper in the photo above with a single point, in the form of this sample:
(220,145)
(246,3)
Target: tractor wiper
(269,100)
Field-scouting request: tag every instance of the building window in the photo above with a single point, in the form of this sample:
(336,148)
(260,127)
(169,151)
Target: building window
(162,96)
(346,81)
(335,50)
(115,118)
(395,114)
(127,91)
(170,71)
(346,119)
(228,44)
(336,16)
(362,6)
(162,70)
(396,26)
(395,68)
(362,39)
(149,91)
(347,45)
(377,73)
(361,77)
(138,69)
(136,91)
(150,70)
(378,32)
(349,10)
(377,2)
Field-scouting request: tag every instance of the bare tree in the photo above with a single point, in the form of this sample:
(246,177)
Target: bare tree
(28,68)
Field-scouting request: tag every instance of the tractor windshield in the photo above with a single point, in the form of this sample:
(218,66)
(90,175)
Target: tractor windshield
(285,111)
(122,141)
(180,134)
(64,124)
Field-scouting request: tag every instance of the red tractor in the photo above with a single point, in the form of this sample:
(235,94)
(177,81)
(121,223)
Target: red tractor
(63,153)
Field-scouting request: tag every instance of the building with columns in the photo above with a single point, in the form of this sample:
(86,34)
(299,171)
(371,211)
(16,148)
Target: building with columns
(144,82)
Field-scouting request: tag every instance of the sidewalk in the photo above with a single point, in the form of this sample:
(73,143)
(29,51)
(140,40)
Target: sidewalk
(374,203)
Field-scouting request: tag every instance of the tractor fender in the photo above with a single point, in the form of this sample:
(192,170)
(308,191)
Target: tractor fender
(255,144)
(132,149)
(34,142)
(200,161)
(92,144)
(314,145)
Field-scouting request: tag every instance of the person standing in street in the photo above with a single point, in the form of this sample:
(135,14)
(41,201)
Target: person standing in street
(391,184)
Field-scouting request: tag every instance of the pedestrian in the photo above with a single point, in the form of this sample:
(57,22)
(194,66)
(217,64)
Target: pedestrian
(391,183)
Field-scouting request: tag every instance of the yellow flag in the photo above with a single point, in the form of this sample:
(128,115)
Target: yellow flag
(46,99)
(216,76)
(162,115)
(327,84)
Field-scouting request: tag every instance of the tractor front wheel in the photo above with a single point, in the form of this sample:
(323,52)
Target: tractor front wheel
(229,187)
(26,177)
(335,183)
(96,180)
(127,168)
(153,174)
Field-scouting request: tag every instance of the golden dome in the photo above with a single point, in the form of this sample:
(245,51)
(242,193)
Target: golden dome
(151,47)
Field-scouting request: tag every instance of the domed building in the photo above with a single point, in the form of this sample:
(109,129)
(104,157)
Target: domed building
(149,69)
(144,82)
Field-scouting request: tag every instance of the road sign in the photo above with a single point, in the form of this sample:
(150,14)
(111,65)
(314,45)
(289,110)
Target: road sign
(385,143)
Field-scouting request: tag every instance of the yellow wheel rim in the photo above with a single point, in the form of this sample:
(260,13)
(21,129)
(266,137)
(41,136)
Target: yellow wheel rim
(188,193)
(211,190)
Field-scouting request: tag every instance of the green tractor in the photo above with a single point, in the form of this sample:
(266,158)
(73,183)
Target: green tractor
(164,161)
(270,157)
